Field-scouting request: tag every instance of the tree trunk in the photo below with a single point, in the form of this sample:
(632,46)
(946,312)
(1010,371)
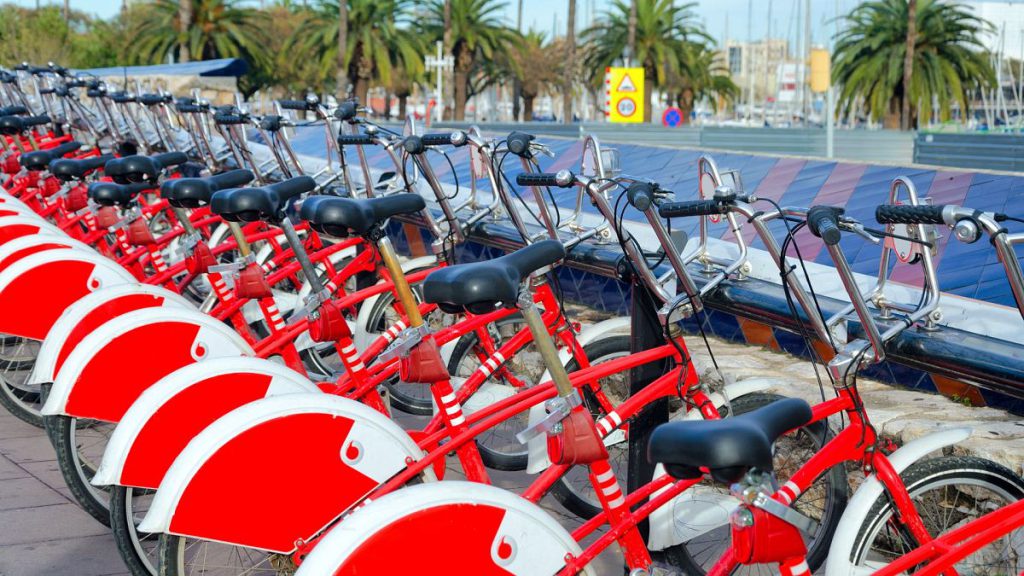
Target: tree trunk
(908,64)
(570,63)
(527,108)
(362,89)
(341,78)
(648,87)
(448,49)
(403,103)
(685,103)
(387,105)
(67,11)
(631,34)
(185,21)
(517,84)
(892,115)
(461,93)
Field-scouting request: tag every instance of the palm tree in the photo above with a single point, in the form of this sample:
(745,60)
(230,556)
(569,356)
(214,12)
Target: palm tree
(948,63)
(702,78)
(375,42)
(908,61)
(476,32)
(219,29)
(342,43)
(537,66)
(184,23)
(664,30)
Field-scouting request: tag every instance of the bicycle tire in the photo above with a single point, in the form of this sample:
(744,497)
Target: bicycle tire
(77,473)
(970,474)
(131,542)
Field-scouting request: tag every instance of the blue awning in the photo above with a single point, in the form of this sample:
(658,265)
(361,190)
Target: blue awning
(232,67)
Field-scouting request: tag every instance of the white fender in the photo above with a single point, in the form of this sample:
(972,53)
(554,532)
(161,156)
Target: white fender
(857,508)
(52,280)
(282,380)
(54,344)
(97,376)
(45,239)
(345,449)
(701,508)
(522,539)
(25,224)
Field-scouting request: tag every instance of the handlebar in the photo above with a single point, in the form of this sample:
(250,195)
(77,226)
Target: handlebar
(519,144)
(346,111)
(824,223)
(303,105)
(560,179)
(692,208)
(230,119)
(355,140)
(908,214)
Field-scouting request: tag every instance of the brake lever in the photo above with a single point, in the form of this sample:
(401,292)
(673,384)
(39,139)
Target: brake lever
(542,149)
(858,229)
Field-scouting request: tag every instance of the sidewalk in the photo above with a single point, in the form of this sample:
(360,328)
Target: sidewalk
(42,530)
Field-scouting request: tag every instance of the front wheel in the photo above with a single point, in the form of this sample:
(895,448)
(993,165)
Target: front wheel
(79,445)
(139,550)
(180,556)
(947,492)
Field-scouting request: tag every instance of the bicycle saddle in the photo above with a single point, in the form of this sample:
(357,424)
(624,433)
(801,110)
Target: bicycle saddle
(343,216)
(482,287)
(15,110)
(67,169)
(41,159)
(14,125)
(140,168)
(196,192)
(727,448)
(112,193)
(263,203)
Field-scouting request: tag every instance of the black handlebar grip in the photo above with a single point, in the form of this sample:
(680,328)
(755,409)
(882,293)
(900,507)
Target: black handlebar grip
(13,110)
(544,179)
(232,179)
(47,90)
(355,139)
(168,159)
(229,119)
(270,122)
(23,66)
(122,98)
(189,108)
(152,99)
(906,214)
(294,104)
(346,111)
(691,208)
(824,223)
(39,70)
(35,120)
(640,195)
(414,145)
(292,187)
(519,144)
(438,139)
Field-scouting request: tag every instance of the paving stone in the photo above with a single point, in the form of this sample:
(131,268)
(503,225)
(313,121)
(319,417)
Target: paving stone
(49,474)
(27,493)
(10,470)
(42,523)
(85,556)
(28,449)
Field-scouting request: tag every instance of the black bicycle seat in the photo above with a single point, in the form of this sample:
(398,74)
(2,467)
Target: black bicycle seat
(343,216)
(41,159)
(263,203)
(196,192)
(112,193)
(67,169)
(482,287)
(142,168)
(728,448)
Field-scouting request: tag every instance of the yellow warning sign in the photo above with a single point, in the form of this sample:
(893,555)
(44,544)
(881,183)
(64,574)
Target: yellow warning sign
(624,88)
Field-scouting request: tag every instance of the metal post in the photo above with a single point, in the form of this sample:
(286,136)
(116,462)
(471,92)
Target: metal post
(645,333)
(830,121)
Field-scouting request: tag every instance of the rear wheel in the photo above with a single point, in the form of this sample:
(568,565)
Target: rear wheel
(948,492)
(190,557)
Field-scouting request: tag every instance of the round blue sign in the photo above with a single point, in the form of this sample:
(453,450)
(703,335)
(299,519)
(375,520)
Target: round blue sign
(672,117)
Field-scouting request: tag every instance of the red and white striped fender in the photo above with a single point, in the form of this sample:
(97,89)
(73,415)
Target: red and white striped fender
(17,225)
(36,289)
(14,202)
(89,313)
(17,208)
(171,412)
(110,367)
(45,240)
(497,533)
(278,470)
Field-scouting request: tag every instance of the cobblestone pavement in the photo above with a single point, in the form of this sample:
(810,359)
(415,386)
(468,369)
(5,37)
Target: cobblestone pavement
(43,532)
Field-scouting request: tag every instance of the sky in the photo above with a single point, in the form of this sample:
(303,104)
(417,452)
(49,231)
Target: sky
(722,18)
